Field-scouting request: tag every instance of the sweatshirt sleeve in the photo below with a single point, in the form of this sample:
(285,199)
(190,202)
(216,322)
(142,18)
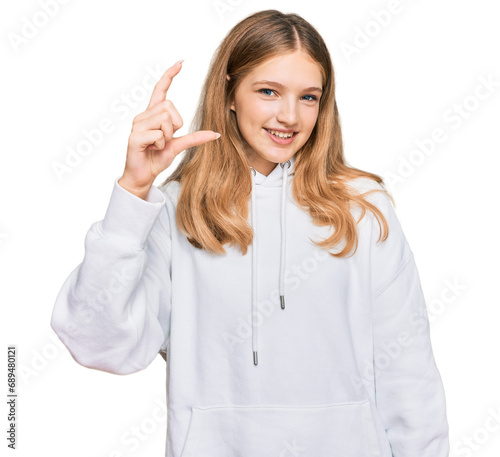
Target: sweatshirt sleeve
(409,391)
(113,310)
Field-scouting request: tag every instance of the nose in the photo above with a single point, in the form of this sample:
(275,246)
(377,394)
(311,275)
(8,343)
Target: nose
(288,112)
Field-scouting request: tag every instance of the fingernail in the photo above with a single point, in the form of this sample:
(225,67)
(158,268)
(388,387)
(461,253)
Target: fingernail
(217,135)
(176,63)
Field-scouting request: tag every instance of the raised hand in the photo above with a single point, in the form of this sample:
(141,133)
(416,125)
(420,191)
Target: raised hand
(151,145)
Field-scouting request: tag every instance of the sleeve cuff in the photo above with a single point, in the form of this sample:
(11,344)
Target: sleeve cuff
(131,217)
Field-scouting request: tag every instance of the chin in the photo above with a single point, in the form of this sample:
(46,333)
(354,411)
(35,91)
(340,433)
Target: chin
(281,157)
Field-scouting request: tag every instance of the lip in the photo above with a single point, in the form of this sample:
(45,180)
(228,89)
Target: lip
(281,140)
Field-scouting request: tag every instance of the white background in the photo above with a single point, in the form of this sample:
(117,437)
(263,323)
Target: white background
(411,75)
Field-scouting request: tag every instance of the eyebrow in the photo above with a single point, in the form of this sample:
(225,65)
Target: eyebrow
(277,84)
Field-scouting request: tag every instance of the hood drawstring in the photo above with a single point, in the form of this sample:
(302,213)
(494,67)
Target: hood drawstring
(284,182)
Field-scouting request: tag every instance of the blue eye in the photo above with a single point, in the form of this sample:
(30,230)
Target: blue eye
(266,92)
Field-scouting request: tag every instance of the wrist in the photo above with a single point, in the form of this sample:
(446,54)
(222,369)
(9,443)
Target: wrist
(137,190)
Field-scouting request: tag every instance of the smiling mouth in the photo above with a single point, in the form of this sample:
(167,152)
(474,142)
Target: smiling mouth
(282,135)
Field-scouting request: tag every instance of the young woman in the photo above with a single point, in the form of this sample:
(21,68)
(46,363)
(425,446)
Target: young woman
(274,278)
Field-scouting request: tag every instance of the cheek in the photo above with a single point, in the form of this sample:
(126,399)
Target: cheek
(310,118)
(257,112)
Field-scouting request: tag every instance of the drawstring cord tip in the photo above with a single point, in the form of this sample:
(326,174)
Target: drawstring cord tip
(255,361)
(282,299)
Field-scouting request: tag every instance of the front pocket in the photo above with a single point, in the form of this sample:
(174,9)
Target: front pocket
(341,430)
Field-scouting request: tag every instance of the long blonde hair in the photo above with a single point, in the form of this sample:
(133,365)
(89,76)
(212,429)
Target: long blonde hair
(215,177)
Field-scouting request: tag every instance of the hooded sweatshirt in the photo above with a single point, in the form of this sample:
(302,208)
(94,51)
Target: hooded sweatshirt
(284,351)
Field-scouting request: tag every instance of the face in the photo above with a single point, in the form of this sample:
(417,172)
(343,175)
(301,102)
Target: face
(278,98)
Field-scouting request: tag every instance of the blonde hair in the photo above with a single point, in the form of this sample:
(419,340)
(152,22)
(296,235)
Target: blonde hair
(215,178)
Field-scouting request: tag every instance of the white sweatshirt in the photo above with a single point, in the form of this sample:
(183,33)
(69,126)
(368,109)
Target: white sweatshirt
(285,351)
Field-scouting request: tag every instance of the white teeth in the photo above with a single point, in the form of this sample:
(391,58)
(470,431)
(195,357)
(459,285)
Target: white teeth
(280,134)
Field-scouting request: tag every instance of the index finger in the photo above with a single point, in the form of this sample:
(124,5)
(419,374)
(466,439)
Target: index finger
(160,90)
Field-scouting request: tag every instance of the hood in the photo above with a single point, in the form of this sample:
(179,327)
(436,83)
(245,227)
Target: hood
(277,178)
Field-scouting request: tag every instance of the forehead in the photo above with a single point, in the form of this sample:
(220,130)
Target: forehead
(292,69)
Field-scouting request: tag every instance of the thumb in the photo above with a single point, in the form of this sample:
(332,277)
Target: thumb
(193,139)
